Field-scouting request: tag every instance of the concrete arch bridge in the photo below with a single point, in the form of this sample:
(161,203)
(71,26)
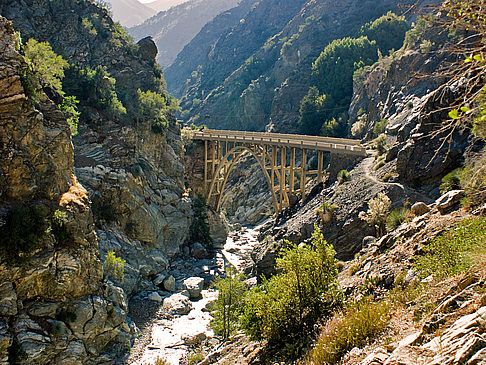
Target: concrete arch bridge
(282,157)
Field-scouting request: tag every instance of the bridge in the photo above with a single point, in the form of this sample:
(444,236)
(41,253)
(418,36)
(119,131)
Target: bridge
(282,157)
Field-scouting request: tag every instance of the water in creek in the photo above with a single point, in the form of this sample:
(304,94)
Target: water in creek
(171,336)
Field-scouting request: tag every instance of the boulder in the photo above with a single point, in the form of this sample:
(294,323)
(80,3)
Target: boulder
(177,304)
(194,285)
(198,251)
(159,279)
(449,200)
(368,240)
(147,49)
(419,208)
(169,284)
(155,297)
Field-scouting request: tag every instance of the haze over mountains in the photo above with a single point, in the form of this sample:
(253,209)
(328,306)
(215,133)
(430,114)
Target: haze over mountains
(173,29)
(163,5)
(130,12)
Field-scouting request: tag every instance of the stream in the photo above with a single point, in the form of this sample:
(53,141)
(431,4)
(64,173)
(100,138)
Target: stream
(180,333)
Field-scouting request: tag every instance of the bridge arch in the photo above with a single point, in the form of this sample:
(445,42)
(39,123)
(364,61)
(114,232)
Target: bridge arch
(226,165)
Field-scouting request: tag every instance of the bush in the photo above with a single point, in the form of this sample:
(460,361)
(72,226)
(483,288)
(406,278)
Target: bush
(387,177)
(229,305)
(473,181)
(396,218)
(453,252)
(69,109)
(357,326)
(379,127)
(59,227)
(343,176)
(377,212)
(380,144)
(379,164)
(114,267)
(388,31)
(452,181)
(153,107)
(22,231)
(284,310)
(326,211)
(45,66)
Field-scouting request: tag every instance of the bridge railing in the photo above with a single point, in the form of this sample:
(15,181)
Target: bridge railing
(290,140)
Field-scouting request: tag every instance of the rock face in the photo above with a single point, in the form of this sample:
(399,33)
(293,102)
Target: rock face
(133,176)
(54,306)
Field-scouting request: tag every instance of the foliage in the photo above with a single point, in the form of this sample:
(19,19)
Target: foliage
(358,128)
(377,212)
(70,111)
(326,211)
(45,67)
(380,144)
(473,181)
(284,310)
(229,305)
(452,181)
(454,251)
(387,31)
(59,227)
(154,107)
(380,126)
(396,217)
(343,176)
(199,230)
(114,267)
(360,323)
(161,361)
(22,230)
(94,88)
(311,112)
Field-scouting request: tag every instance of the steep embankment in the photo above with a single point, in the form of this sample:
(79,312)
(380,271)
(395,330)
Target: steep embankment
(250,81)
(173,29)
(54,305)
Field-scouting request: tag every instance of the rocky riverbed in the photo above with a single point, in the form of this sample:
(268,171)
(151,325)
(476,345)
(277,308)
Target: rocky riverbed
(174,322)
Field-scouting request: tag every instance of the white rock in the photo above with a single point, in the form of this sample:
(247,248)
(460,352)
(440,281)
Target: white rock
(194,285)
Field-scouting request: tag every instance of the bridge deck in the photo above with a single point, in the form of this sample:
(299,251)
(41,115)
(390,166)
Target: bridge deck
(328,144)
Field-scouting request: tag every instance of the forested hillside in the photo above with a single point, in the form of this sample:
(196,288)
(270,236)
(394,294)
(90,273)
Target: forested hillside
(256,73)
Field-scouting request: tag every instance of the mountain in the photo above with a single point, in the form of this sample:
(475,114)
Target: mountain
(255,74)
(163,5)
(173,29)
(130,12)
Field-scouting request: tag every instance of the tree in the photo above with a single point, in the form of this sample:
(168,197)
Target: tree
(229,305)
(284,310)
(387,31)
(45,67)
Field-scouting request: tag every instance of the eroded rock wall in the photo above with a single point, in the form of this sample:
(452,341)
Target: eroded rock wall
(54,305)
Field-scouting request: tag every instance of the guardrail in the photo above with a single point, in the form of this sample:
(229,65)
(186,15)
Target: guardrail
(330,144)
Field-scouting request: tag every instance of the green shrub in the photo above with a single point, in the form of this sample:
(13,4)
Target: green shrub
(379,164)
(114,267)
(379,127)
(396,217)
(284,310)
(229,305)
(380,144)
(22,230)
(387,177)
(455,251)
(161,361)
(473,181)
(325,211)
(388,31)
(355,327)
(452,181)
(45,66)
(153,107)
(69,109)
(59,227)
(343,176)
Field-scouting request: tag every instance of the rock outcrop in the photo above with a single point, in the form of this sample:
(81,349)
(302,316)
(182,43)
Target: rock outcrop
(54,305)
(133,176)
